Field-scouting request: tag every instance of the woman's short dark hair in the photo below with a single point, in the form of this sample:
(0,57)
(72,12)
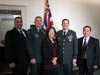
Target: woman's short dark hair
(47,31)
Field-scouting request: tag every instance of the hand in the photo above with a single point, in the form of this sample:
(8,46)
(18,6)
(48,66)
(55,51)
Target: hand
(12,65)
(74,61)
(95,66)
(54,60)
(33,61)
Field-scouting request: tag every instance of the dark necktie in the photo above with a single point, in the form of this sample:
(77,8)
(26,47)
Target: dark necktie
(84,45)
(64,33)
(84,49)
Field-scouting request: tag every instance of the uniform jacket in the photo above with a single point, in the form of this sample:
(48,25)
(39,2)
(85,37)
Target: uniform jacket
(34,39)
(68,46)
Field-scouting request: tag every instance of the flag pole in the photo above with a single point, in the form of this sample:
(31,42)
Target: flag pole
(48,22)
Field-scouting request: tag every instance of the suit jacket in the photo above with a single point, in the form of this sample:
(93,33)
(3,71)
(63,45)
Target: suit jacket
(92,51)
(68,46)
(15,45)
(34,39)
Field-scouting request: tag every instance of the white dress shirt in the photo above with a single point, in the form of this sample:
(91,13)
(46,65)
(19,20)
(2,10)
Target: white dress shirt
(22,32)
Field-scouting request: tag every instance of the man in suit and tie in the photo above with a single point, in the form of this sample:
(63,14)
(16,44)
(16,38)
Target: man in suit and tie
(34,38)
(67,41)
(88,52)
(16,50)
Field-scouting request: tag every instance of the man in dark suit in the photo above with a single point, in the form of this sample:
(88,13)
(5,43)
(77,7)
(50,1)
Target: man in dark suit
(16,50)
(88,52)
(67,41)
(34,38)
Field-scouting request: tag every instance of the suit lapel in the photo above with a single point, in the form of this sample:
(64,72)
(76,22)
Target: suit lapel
(61,33)
(24,33)
(69,36)
(81,42)
(16,31)
(89,42)
(68,33)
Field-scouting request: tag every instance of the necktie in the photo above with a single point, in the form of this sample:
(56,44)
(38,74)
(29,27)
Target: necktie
(64,33)
(84,44)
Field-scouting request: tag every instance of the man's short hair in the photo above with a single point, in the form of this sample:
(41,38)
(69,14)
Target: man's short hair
(65,20)
(17,18)
(38,17)
(87,27)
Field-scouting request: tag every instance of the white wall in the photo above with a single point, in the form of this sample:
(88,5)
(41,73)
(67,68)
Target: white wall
(79,13)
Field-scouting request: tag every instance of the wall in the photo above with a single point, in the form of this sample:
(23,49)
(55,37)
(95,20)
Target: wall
(79,13)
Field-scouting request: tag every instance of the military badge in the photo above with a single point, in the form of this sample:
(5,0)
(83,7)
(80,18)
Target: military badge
(70,37)
(36,35)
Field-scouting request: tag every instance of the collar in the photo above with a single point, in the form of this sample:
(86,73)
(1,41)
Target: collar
(19,29)
(65,30)
(87,38)
(38,28)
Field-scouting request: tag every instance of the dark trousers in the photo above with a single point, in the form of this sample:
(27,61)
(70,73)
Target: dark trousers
(35,69)
(65,69)
(83,69)
(50,71)
(20,69)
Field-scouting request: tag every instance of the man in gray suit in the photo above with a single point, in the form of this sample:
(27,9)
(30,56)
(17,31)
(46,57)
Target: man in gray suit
(67,41)
(34,38)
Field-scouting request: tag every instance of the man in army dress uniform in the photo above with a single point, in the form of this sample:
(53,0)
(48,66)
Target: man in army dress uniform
(67,41)
(34,38)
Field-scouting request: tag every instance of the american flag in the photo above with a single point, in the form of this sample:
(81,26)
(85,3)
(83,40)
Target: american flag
(48,22)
